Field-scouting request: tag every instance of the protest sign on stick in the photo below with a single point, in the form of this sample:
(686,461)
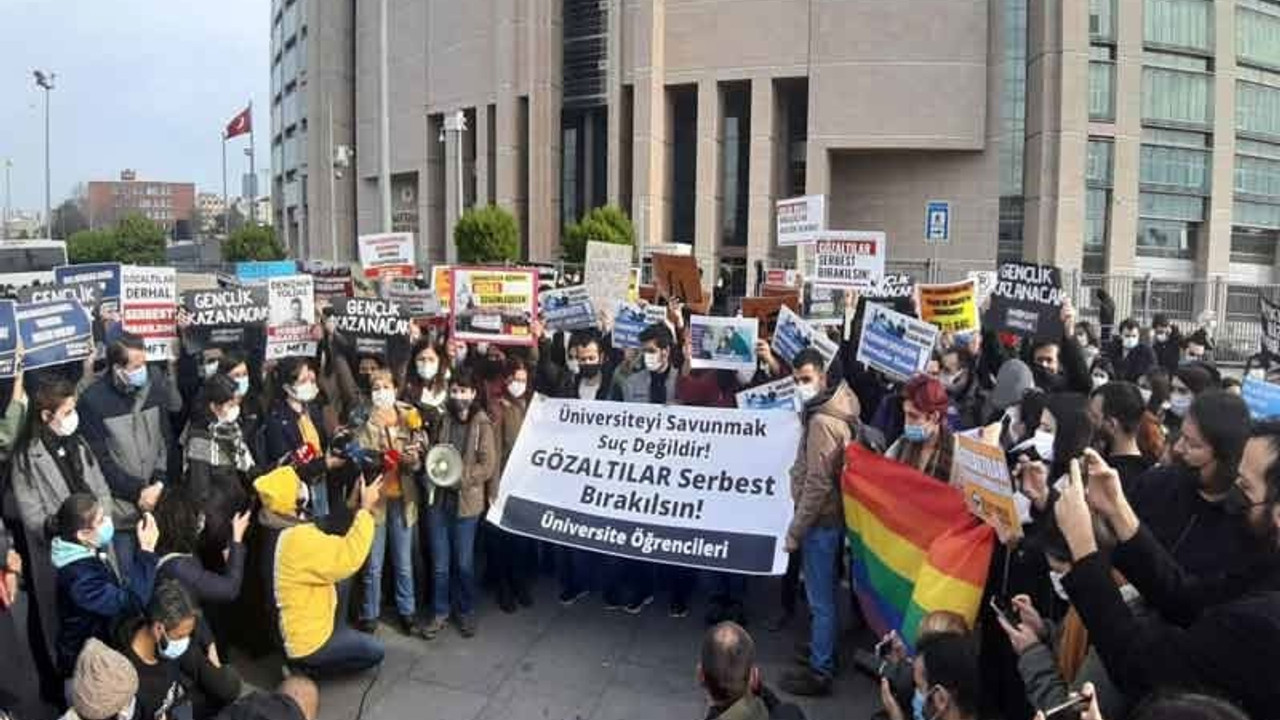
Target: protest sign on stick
(387,255)
(801,219)
(677,276)
(895,344)
(849,259)
(980,472)
(721,343)
(567,309)
(953,307)
(329,281)
(105,275)
(373,326)
(227,318)
(8,339)
(290,317)
(1027,300)
(53,333)
(608,273)
(149,307)
(494,305)
(765,310)
(793,334)
(696,487)
(778,394)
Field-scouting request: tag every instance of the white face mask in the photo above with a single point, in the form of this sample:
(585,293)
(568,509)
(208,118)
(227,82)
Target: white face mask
(230,416)
(1055,579)
(1043,443)
(211,368)
(384,398)
(1180,404)
(1146,394)
(807,392)
(572,366)
(517,388)
(482,348)
(305,392)
(427,369)
(1130,341)
(1099,380)
(67,425)
(653,361)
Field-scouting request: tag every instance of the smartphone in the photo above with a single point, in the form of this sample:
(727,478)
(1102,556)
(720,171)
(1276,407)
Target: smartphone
(885,645)
(1003,612)
(1070,709)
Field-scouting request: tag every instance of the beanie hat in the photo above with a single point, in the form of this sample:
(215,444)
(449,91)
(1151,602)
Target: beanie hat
(104,683)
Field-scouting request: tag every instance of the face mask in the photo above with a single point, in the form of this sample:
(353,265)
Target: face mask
(1146,394)
(429,398)
(1100,380)
(174,649)
(517,388)
(305,392)
(589,370)
(1162,337)
(653,361)
(1055,579)
(135,378)
(384,398)
(106,532)
(1043,443)
(573,367)
(242,386)
(427,369)
(807,392)
(1192,359)
(916,433)
(1130,342)
(482,348)
(1180,404)
(459,406)
(230,416)
(211,368)
(67,425)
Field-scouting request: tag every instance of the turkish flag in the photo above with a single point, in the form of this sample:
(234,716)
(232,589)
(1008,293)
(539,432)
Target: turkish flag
(240,124)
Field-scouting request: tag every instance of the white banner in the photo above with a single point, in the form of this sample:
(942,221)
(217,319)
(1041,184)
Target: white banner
(698,487)
(850,259)
(149,308)
(801,219)
(387,254)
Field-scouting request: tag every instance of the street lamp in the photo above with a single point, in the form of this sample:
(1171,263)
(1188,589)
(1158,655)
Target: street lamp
(45,80)
(8,199)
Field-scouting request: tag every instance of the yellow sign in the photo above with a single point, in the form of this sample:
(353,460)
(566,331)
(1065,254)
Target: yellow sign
(979,471)
(953,307)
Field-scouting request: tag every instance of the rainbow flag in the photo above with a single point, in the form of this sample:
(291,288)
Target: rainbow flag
(916,547)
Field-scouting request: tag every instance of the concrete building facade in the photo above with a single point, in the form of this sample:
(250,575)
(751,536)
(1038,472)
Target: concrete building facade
(1106,136)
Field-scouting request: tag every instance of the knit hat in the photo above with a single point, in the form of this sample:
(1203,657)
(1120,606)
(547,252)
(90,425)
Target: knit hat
(104,683)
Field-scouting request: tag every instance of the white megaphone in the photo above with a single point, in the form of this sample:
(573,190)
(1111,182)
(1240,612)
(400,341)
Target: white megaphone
(444,466)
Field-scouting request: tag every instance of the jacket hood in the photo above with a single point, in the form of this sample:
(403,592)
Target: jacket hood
(1012,381)
(839,403)
(278,490)
(64,553)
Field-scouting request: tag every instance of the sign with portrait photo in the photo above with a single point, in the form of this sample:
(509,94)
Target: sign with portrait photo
(291,317)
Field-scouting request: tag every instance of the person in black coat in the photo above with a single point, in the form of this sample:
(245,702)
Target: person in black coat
(1224,631)
(1166,342)
(19,680)
(1130,357)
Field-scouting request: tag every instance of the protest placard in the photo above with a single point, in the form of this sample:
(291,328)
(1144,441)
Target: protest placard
(1261,397)
(782,278)
(1270,316)
(607,274)
(415,302)
(329,281)
(984,283)
(53,333)
(765,310)
(105,275)
(982,475)
(567,309)
(824,306)
(495,305)
(892,286)
(794,334)
(149,308)
(372,326)
(849,259)
(801,219)
(722,343)
(387,255)
(1027,300)
(696,487)
(88,294)
(290,317)
(633,286)
(442,283)
(953,307)
(895,344)
(256,272)
(234,317)
(629,321)
(779,394)
(8,339)
(677,276)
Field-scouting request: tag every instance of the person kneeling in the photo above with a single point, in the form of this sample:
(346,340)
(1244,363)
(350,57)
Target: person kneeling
(727,671)
(308,565)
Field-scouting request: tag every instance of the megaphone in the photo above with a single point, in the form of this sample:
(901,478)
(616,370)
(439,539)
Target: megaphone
(444,466)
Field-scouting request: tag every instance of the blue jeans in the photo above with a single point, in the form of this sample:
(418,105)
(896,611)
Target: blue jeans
(452,539)
(400,535)
(347,651)
(821,546)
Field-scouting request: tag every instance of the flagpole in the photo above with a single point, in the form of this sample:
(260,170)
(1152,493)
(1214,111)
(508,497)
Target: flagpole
(226,206)
(253,174)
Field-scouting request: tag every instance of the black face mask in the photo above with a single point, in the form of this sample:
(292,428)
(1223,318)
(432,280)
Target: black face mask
(589,370)
(459,408)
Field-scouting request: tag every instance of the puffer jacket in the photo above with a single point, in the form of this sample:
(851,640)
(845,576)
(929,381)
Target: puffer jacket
(128,431)
(479,461)
(829,422)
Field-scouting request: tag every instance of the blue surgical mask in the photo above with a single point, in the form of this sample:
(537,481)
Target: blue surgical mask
(136,378)
(242,385)
(917,705)
(916,433)
(174,649)
(106,532)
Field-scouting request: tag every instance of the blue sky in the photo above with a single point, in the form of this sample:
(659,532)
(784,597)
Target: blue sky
(144,84)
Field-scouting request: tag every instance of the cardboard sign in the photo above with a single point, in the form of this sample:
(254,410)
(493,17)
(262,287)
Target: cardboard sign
(953,307)
(372,325)
(290,317)
(720,343)
(567,309)
(227,318)
(895,344)
(794,334)
(1027,301)
(387,255)
(257,272)
(824,306)
(415,302)
(801,219)
(633,286)
(849,259)
(442,283)
(629,320)
(329,281)
(88,294)
(980,472)
(984,282)
(149,308)
(8,339)
(677,276)
(765,310)
(608,273)
(494,305)
(105,275)
(1261,397)
(53,333)
(779,394)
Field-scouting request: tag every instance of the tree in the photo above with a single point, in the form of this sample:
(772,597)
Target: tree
(487,235)
(603,224)
(134,240)
(253,242)
(68,219)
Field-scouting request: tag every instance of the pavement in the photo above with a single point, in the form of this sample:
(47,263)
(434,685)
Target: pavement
(582,662)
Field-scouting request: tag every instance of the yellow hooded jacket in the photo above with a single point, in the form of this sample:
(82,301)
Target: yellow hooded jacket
(308,564)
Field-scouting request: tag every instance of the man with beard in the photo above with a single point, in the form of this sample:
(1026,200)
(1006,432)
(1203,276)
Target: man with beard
(1225,632)
(1182,503)
(1126,435)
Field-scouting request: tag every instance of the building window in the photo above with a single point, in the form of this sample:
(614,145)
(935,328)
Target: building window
(1257,108)
(1258,177)
(1166,239)
(1167,206)
(684,161)
(1258,35)
(1185,24)
(1102,20)
(1098,163)
(1175,91)
(735,164)
(1253,247)
(1256,214)
(1102,74)
(1013,119)
(1174,168)
(1097,209)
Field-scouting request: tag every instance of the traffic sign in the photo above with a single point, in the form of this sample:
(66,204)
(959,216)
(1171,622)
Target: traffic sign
(937,222)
